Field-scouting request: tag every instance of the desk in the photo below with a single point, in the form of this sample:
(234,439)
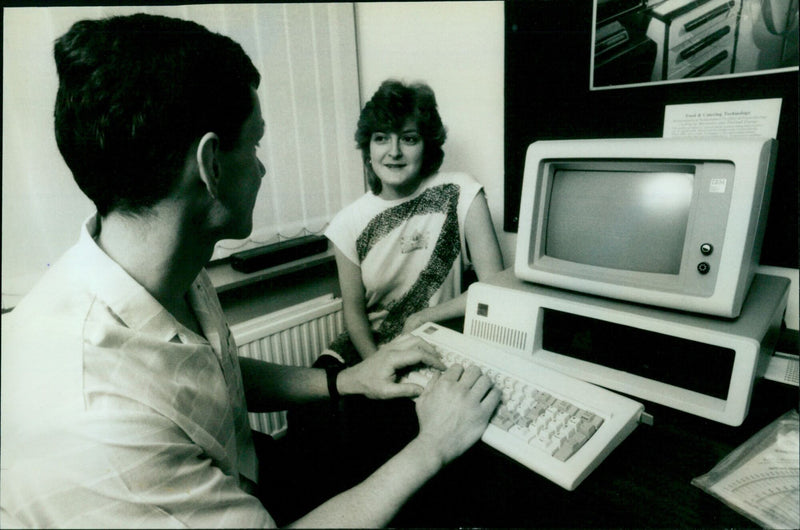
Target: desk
(645,482)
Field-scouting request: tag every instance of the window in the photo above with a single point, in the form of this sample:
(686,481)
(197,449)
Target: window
(306,54)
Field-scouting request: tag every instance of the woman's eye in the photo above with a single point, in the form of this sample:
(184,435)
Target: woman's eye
(379,137)
(411,139)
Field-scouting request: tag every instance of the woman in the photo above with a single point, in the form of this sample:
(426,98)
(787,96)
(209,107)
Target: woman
(401,248)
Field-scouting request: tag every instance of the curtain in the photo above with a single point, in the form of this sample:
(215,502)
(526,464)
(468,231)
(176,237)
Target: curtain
(306,54)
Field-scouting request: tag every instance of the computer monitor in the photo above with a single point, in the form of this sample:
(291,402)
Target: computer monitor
(675,223)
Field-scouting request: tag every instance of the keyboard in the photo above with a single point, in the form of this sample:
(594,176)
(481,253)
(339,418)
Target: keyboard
(556,425)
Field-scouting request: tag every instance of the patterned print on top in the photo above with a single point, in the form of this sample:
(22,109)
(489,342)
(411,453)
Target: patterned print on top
(439,199)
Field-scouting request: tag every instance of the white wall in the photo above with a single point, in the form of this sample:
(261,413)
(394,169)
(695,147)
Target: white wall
(42,207)
(457,48)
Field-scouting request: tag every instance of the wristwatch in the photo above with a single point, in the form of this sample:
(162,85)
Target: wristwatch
(332,372)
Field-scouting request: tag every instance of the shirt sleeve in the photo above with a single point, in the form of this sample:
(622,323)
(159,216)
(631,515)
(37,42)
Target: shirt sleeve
(342,232)
(469,190)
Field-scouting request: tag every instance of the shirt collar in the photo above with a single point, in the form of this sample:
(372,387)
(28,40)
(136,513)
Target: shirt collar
(130,302)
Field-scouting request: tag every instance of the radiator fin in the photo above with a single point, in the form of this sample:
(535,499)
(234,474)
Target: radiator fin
(294,336)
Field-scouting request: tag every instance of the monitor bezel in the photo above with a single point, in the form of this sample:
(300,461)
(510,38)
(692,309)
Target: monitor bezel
(734,260)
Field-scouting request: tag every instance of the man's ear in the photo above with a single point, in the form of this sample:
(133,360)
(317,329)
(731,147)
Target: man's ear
(207,163)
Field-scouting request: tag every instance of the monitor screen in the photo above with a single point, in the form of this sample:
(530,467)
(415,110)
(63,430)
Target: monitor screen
(625,220)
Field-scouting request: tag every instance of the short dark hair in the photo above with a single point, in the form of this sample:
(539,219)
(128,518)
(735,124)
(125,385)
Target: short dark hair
(134,93)
(388,109)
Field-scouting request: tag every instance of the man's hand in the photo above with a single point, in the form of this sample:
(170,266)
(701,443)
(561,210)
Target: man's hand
(376,376)
(455,409)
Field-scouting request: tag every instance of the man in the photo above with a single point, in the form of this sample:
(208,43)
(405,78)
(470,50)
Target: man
(123,400)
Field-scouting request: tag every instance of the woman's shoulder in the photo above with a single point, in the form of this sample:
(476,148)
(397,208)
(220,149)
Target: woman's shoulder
(467,185)
(356,210)
(359,204)
(456,177)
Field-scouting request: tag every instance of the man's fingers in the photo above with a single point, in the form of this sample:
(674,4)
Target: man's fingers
(413,350)
(470,375)
(453,373)
(405,339)
(491,400)
(481,386)
(410,357)
(399,390)
(433,361)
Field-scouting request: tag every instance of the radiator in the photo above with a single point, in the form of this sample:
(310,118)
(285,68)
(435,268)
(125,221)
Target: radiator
(293,336)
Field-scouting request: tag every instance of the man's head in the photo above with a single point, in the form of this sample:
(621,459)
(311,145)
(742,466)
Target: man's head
(135,94)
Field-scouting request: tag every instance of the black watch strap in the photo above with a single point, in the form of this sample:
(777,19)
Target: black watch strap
(332,372)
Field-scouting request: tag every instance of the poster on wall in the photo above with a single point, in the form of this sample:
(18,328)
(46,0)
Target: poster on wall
(643,42)
(755,117)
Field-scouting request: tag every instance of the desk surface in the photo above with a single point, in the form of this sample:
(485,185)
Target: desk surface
(645,482)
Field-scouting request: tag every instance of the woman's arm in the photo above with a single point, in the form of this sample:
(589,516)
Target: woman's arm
(486,257)
(482,244)
(354,305)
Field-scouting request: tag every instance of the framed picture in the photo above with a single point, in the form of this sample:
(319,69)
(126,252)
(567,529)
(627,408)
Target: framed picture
(636,42)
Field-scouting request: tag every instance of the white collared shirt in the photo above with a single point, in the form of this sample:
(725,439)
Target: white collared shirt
(116,415)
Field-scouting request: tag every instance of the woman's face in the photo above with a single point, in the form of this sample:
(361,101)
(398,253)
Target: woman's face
(396,159)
